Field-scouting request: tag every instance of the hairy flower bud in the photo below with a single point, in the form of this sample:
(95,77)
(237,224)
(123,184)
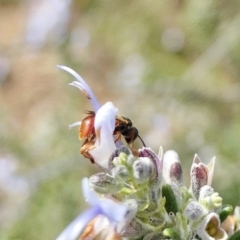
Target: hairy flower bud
(210,199)
(121,173)
(132,206)
(201,175)
(194,211)
(142,169)
(172,169)
(135,229)
(104,183)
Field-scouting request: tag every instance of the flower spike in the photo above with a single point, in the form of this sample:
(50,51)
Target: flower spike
(143,195)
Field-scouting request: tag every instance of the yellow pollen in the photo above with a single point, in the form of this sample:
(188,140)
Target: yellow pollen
(211,229)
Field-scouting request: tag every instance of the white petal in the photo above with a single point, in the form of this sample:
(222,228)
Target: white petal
(106,115)
(104,127)
(211,166)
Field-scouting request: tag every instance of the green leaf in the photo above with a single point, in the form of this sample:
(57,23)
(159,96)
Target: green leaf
(235,236)
(171,201)
(225,212)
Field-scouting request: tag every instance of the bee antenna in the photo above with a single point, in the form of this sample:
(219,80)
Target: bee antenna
(142,141)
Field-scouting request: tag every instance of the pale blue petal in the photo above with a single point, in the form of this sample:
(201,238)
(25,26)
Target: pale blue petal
(84,85)
(89,195)
(115,212)
(76,227)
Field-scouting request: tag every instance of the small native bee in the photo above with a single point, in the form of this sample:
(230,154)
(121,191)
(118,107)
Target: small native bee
(123,126)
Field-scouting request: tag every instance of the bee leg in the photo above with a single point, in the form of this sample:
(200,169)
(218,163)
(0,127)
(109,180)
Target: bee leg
(118,137)
(87,145)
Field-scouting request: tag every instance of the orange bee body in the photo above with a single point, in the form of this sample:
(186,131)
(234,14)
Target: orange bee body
(86,129)
(123,126)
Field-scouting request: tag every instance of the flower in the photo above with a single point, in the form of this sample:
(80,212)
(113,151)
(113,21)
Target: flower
(201,175)
(232,222)
(194,211)
(100,148)
(104,126)
(209,228)
(114,212)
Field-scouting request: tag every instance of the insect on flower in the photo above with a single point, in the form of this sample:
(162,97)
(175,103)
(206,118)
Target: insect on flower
(87,132)
(123,126)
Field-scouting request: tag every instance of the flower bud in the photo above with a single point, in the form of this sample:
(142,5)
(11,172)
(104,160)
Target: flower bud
(206,191)
(210,199)
(122,156)
(201,175)
(135,229)
(132,206)
(194,211)
(104,183)
(121,159)
(121,173)
(142,169)
(157,164)
(172,169)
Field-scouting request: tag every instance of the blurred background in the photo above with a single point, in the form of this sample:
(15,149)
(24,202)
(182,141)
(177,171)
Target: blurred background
(170,66)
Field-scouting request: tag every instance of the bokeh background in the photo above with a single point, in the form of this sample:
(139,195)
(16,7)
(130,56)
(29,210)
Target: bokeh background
(170,66)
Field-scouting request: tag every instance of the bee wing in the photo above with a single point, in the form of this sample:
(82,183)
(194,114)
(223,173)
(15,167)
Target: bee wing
(121,119)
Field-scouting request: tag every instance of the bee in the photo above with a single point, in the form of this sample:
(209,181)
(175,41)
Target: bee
(123,127)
